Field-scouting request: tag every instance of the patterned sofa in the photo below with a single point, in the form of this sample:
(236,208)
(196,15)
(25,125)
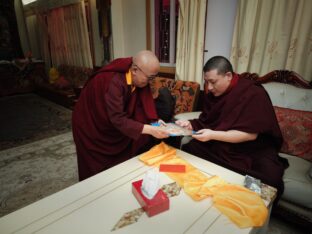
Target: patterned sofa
(185,92)
(291,96)
(76,76)
(67,92)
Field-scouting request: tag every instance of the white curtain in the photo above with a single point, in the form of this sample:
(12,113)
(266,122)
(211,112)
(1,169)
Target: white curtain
(22,28)
(68,32)
(64,36)
(190,40)
(273,35)
(44,40)
(33,35)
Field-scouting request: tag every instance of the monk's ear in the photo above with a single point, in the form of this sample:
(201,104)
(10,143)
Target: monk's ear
(229,75)
(134,69)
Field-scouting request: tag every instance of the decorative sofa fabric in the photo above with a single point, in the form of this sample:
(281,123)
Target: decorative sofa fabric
(185,92)
(291,96)
(295,123)
(77,76)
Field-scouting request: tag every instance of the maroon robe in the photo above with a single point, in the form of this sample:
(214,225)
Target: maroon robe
(245,107)
(108,119)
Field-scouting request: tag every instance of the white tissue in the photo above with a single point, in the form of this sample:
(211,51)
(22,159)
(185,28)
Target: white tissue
(150,184)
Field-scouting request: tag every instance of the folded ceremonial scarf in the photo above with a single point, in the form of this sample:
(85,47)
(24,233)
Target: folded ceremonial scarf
(244,207)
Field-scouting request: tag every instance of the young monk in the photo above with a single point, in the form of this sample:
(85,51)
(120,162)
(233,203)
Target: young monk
(238,128)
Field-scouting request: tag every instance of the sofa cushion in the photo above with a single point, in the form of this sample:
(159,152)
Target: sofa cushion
(165,104)
(160,82)
(298,183)
(62,83)
(77,76)
(184,92)
(296,127)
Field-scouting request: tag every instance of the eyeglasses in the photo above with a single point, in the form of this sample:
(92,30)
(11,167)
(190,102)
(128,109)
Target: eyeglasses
(149,77)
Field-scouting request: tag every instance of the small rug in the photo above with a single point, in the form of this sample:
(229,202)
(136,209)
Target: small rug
(28,117)
(33,171)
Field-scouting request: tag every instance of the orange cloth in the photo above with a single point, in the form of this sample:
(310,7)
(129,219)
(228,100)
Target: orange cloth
(157,154)
(129,80)
(244,207)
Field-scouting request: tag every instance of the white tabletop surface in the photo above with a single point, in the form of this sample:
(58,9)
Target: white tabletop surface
(95,205)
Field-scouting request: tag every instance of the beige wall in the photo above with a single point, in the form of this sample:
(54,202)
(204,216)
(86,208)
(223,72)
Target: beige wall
(128,27)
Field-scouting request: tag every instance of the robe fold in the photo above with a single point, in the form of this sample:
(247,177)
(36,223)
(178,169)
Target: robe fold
(245,107)
(108,119)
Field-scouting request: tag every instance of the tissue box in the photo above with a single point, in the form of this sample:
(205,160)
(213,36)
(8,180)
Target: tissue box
(156,205)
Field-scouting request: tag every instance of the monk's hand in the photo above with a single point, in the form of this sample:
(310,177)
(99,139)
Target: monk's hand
(155,131)
(204,135)
(161,122)
(184,124)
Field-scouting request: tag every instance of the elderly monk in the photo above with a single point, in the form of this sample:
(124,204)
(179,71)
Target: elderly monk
(237,128)
(111,120)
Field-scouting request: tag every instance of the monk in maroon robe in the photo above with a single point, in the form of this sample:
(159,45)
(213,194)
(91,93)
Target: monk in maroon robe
(111,120)
(238,128)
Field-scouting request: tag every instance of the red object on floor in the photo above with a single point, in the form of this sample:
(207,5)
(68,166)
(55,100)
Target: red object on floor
(172,168)
(159,203)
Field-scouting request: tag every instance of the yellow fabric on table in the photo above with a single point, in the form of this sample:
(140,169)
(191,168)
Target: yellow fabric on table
(157,154)
(244,207)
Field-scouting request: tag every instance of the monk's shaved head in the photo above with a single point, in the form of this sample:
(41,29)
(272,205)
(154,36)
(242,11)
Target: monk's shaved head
(220,63)
(145,67)
(147,60)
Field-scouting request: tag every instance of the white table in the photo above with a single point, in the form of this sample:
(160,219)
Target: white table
(96,204)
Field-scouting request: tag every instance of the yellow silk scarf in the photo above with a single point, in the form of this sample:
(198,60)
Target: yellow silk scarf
(244,207)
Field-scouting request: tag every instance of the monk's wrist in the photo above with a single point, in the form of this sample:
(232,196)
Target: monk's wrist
(146,129)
